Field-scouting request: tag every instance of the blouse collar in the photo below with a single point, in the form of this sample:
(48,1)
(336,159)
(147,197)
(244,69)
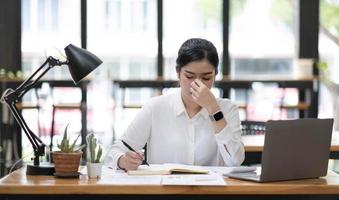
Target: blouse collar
(179,107)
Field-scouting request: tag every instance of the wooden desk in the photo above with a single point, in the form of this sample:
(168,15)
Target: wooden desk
(19,185)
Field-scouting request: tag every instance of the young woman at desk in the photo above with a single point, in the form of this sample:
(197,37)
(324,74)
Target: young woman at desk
(190,126)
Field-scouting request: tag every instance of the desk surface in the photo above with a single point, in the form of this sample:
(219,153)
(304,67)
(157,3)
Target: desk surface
(19,183)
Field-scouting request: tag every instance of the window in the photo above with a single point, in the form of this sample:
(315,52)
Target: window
(113,15)
(26,15)
(193,18)
(262,37)
(123,32)
(329,54)
(48,25)
(329,36)
(48,12)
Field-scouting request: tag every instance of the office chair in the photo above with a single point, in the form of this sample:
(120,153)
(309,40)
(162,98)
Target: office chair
(253,127)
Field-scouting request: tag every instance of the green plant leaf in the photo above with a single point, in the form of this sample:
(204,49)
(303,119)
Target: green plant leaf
(79,148)
(66,145)
(73,145)
(99,155)
(94,149)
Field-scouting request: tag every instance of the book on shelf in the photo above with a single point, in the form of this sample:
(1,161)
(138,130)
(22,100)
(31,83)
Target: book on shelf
(166,169)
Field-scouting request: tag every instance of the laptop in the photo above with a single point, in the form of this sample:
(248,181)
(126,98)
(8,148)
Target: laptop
(293,149)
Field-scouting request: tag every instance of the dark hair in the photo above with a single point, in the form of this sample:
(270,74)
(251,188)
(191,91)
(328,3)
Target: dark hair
(196,49)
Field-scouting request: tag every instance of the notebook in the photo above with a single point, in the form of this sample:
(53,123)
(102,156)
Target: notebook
(166,169)
(293,149)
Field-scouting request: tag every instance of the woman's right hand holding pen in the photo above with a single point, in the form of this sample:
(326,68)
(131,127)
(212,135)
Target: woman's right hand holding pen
(131,160)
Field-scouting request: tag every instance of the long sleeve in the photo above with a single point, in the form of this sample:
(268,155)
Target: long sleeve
(136,136)
(229,141)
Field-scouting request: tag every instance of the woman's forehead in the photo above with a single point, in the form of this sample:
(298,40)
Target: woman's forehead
(199,67)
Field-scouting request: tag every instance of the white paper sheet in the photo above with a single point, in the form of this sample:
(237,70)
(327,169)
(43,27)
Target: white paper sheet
(210,179)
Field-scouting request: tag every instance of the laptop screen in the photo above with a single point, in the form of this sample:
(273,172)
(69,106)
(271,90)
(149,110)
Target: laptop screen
(296,149)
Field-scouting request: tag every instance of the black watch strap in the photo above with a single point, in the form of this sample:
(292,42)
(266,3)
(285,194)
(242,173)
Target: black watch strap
(217,116)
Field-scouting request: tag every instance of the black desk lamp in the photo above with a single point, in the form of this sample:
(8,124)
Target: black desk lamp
(80,63)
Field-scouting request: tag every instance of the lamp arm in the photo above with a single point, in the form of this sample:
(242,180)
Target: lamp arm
(11,97)
(31,136)
(28,83)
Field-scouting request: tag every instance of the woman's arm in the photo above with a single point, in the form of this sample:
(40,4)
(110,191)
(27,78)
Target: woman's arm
(228,139)
(136,135)
(227,130)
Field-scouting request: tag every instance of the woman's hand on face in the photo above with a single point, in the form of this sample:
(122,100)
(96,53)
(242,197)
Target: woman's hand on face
(131,160)
(203,96)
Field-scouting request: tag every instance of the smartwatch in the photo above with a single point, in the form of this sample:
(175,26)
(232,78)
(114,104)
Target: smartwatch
(216,116)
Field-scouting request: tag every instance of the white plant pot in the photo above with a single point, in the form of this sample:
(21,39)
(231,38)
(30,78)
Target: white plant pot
(94,170)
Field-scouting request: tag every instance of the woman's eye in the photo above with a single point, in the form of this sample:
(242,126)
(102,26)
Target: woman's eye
(189,77)
(206,79)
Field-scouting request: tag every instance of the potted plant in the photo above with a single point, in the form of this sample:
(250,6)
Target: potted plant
(67,160)
(94,164)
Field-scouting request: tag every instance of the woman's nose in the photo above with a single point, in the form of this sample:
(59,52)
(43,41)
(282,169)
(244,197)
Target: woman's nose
(193,82)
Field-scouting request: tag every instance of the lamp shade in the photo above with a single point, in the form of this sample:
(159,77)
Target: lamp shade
(80,62)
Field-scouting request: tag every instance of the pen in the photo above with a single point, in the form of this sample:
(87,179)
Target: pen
(130,148)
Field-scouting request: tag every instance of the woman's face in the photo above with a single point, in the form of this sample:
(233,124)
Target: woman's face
(202,70)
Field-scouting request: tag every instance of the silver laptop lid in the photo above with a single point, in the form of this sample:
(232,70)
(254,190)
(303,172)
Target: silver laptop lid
(296,149)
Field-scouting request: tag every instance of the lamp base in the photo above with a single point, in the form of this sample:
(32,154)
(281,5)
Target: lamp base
(46,169)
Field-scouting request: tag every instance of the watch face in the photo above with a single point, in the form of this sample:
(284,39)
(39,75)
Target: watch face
(218,116)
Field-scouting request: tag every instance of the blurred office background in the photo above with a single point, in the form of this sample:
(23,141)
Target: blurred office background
(139,40)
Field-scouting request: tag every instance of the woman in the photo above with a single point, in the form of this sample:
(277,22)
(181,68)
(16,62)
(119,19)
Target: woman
(188,127)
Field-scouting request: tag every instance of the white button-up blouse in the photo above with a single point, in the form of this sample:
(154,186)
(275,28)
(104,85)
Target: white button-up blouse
(173,137)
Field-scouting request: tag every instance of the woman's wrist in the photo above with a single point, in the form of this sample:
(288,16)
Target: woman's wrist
(213,108)
(118,163)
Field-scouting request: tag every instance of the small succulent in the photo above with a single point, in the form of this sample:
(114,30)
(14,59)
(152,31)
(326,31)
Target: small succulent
(66,146)
(94,149)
